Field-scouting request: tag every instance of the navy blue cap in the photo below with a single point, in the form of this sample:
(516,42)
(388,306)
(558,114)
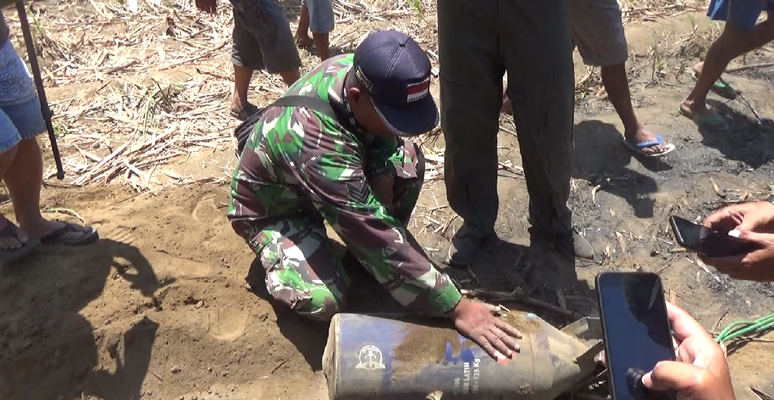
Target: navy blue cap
(395,72)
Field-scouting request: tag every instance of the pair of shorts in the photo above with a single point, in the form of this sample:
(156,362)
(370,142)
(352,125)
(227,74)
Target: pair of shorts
(743,14)
(262,37)
(20,114)
(597,29)
(321,18)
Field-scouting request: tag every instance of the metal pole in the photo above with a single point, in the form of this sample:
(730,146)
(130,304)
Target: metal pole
(39,86)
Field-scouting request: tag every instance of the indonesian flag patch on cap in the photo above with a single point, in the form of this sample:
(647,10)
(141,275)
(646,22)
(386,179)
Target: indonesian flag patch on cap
(418,91)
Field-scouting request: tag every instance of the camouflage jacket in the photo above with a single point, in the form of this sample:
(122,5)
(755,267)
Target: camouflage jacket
(298,161)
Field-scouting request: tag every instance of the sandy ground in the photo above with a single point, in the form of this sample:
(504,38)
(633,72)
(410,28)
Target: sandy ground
(164,306)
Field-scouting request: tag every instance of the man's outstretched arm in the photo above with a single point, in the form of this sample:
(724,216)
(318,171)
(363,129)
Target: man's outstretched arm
(343,195)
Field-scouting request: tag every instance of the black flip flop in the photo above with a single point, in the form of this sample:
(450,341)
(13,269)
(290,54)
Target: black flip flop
(57,237)
(13,255)
(246,111)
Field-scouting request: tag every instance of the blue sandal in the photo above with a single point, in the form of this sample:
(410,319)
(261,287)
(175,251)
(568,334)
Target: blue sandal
(639,147)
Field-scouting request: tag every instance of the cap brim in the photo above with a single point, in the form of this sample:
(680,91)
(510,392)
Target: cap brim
(421,117)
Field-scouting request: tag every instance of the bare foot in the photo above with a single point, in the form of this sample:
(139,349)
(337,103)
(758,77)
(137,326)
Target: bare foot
(644,135)
(702,115)
(693,109)
(12,242)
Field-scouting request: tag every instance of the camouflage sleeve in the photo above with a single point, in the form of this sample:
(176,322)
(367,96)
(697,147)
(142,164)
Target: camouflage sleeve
(382,154)
(377,239)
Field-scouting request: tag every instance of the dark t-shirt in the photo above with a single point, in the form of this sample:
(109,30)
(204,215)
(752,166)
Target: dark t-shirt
(3,30)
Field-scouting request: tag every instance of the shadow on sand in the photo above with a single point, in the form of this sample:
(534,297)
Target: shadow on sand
(41,299)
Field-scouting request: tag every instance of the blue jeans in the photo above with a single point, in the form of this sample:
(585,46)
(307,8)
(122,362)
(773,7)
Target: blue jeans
(20,115)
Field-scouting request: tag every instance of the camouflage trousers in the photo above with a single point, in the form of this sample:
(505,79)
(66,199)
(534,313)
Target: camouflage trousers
(302,270)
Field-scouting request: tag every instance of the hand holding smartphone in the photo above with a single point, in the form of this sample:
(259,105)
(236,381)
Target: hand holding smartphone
(707,241)
(637,332)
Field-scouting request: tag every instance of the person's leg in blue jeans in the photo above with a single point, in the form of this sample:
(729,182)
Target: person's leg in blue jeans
(21,166)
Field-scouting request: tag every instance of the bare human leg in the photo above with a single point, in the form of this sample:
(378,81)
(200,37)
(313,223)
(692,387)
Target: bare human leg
(617,88)
(24,179)
(242,76)
(764,33)
(732,43)
(302,32)
(18,240)
(322,43)
(289,77)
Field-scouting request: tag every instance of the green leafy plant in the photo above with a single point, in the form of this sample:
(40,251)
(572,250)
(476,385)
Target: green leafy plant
(417,6)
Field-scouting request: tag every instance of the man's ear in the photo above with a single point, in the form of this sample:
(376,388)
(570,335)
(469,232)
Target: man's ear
(354,95)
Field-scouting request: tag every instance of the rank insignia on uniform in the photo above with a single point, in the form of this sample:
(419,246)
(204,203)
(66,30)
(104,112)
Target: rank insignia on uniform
(359,191)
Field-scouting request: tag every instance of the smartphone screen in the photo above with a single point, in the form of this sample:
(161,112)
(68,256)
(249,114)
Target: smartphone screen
(636,327)
(707,241)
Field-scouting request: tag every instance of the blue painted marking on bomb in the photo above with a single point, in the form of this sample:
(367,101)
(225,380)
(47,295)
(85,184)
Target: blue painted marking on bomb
(471,371)
(466,353)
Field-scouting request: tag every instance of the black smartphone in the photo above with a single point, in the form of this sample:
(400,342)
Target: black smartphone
(707,241)
(636,330)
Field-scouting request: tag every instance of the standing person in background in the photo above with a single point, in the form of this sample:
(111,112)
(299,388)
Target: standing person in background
(597,29)
(740,35)
(478,42)
(262,40)
(21,165)
(317,16)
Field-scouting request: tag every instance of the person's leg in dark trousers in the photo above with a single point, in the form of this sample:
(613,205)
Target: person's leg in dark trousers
(471,96)
(537,50)
(527,37)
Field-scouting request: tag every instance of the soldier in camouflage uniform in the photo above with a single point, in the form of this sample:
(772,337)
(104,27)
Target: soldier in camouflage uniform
(353,169)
